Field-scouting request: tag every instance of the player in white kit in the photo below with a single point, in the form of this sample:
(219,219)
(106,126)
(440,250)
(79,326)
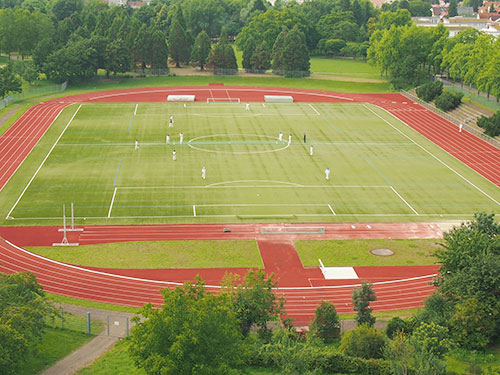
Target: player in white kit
(327,173)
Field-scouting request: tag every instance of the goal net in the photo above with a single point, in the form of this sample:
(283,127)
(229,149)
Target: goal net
(223,100)
(278,99)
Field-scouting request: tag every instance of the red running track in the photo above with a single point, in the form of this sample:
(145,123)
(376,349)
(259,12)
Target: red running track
(401,287)
(303,287)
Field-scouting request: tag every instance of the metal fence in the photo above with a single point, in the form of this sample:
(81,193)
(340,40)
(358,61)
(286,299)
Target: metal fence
(452,119)
(92,323)
(32,93)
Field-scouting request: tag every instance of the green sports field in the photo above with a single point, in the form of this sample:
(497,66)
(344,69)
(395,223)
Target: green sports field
(381,170)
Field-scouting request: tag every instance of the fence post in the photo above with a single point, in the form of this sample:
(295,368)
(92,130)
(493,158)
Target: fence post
(88,323)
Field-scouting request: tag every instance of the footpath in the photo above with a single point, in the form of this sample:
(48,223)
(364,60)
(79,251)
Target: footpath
(95,348)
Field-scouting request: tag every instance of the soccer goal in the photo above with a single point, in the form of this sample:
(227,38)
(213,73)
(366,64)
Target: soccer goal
(278,98)
(180,98)
(223,100)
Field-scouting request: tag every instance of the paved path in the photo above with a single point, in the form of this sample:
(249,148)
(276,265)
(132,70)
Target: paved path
(94,349)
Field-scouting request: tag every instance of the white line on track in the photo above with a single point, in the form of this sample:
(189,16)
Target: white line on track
(64,265)
(135,110)
(41,165)
(427,151)
(112,201)
(331,209)
(399,195)
(314,109)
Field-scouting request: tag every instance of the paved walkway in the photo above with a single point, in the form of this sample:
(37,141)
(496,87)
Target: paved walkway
(94,349)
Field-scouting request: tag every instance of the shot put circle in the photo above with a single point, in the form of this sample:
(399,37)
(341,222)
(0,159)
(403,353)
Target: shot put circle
(382,252)
(258,136)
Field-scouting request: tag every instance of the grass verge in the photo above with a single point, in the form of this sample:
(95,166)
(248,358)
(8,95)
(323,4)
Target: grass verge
(86,303)
(159,254)
(349,253)
(55,344)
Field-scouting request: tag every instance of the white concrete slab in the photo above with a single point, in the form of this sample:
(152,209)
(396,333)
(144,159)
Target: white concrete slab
(339,273)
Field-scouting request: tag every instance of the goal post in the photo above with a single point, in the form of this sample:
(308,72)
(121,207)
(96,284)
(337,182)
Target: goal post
(223,100)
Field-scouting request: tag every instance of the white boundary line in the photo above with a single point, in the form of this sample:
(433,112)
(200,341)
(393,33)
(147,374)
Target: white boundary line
(465,216)
(135,110)
(314,109)
(194,210)
(43,162)
(427,151)
(112,201)
(331,209)
(208,286)
(399,195)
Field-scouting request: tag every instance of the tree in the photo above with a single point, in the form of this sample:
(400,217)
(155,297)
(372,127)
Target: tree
(326,323)
(365,342)
(452,10)
(248,51)
(432,338)
(23,309)
(194,332)
(116,59)
(159,50)
(491,125)
(261,58)
(222,57)
(295,56)
(65,8)
(201,49)
(177,43)
(254,301)
(277,54)
(361,299)
(9,82)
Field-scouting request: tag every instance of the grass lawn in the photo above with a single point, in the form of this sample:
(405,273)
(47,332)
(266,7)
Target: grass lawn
(56,344)
(348,253)
(159,254)
(460,361)
(379,170)
(83,302)
(345,68)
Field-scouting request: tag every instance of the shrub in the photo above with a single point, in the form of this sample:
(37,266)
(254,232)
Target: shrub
(326,322)
(361,299)
(448,100)
(428,91)
(490,125)
(432,338)
(364,342)
(397,325)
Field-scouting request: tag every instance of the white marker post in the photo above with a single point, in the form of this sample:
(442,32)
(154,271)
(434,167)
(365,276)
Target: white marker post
(64,241)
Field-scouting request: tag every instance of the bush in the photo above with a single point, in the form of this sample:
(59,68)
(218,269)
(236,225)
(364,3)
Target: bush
(428,91)
(364,342)
(326,322)
(397,325)
(448,100)
(490,125)
(431,338)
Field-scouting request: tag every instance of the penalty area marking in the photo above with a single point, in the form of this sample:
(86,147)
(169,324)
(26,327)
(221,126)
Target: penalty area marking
(112,201)
(194,210)
(427,151)
(399,195)
(314,109)
(331,209)
(43,162)
(135,110)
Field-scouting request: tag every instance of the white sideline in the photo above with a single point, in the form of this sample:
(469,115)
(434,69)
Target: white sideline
(399,195)
(423,148)
(194,210)
(135,110)
(43,162)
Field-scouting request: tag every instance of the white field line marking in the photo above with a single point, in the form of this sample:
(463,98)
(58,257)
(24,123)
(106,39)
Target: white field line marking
(194,210)
(464,216)
(31,131)
(331,209)
(31,255)
(399,195)
(135,110)
(314,109)
(427,151)
(291,185)
(43,161)
(112,201)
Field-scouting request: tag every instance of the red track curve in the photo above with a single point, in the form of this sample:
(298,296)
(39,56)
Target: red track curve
(396,287)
